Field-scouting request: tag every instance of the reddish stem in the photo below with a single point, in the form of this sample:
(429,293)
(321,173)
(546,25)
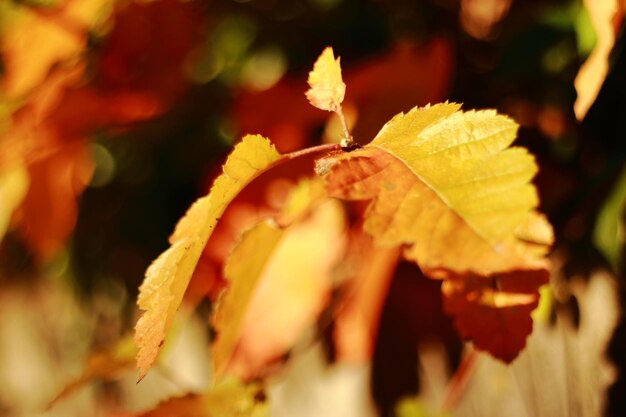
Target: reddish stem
(328,147)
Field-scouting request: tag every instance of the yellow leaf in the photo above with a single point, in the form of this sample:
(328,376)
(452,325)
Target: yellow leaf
(167,278)
(445,183)
(280,280)
(327,88)
(13,188)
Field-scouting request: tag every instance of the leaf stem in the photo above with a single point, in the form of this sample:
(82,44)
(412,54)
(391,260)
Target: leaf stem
(327,147)
(347,139)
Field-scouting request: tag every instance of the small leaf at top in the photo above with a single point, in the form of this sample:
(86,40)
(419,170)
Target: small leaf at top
(327,88)
(167,277)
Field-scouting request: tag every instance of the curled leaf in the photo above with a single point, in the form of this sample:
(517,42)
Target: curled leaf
(167,278)
(327,88)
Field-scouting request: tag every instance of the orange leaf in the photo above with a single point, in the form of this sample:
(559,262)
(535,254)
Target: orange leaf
(327,88)
(357,321)
(167,277)
(48,213)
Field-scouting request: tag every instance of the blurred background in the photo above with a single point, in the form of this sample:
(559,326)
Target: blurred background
(116,115)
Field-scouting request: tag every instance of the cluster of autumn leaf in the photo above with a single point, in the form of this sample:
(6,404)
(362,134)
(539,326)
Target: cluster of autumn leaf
(437,186)
(55,95)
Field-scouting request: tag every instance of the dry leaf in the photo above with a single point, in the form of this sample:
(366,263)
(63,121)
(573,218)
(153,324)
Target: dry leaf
(327,88)
(167,278)
(280,281)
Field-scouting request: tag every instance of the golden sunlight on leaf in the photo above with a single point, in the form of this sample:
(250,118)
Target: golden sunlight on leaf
(167,278)
(327,88)
(280,281)
(35,40)
(607,17)
(445,183)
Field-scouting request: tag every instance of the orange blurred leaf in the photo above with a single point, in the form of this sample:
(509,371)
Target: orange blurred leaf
(357,321)
(48,213)
(49,134)
(36,40)
(607,17)
(167,278)
(280,280)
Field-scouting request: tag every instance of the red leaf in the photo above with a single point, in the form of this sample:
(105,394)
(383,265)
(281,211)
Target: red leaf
(494,312)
